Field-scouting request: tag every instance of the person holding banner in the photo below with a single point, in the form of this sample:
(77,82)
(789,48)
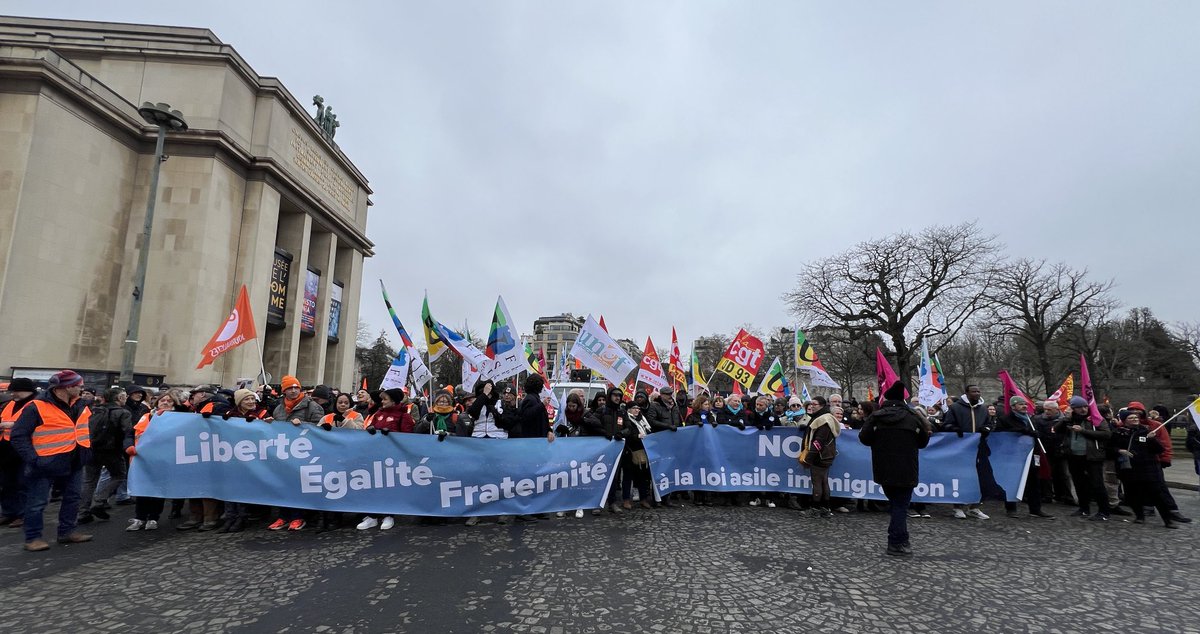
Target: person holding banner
(970,415)
(296,408)
(732,413)
(896,434)
(820,445)
(245,406)
(1018,421)
(344,415)
(146,510)
(636,429)
(532,421)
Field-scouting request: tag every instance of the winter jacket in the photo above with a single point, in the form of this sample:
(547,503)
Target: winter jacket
(306,410)
(216,406)
(821,436)
(963,418)
(393,418)
(27,423)
(532,421)
(456,423)
(698,417)
(1046,431)
(726,417)
(111,429)
(1095,437)
(895,435)
(350,420)
(662,417)
(1193,440)
(137,409)
(1014,423)
(1145,463)
(764,421)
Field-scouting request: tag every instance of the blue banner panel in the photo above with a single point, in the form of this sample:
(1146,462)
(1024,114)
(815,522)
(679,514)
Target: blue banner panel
(725,459)
(278,464)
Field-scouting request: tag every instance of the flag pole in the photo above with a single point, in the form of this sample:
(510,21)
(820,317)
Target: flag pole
(1164,423)
(261,366)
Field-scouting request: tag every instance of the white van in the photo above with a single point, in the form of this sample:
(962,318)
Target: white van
(590,390)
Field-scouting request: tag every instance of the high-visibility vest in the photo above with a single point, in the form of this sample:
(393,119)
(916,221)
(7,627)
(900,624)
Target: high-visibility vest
(9,415)
(348,416)
(140,427)
(58,433)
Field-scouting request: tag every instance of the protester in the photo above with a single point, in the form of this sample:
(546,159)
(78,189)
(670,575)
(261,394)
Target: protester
(362,402)
(1059,480)
(1140,467)
(12,493)
(664,414)
(820,443)
(1018,421)
(970,415)
(895,435)
(732,414)
(296,408)
(701,413)
(392,416)
(52,437)
(146,510)
(1084,444)
(1159,430)
(111,431)
(490,422)
(532,421)
(636,429)
(796,414)
(136,402)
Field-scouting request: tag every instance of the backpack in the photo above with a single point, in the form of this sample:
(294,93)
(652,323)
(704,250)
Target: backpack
(100,426)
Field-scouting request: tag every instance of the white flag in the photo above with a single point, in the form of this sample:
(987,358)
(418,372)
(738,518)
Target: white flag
(595,349)
(420,371)
(929,393)
(461,345)
(506,357)
(470,375)
(397,373)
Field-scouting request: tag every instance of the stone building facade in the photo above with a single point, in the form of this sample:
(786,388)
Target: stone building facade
(253,193)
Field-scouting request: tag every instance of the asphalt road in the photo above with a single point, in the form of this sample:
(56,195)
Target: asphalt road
(672,570)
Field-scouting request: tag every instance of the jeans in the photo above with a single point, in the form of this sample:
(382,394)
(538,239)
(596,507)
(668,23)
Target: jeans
(113,464)
(38,495)
(898,499)
(122,489)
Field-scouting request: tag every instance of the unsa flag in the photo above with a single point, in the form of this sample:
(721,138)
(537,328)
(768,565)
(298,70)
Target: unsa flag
(236,330)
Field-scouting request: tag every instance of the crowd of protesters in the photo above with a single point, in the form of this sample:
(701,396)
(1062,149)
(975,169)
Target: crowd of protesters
(71,443)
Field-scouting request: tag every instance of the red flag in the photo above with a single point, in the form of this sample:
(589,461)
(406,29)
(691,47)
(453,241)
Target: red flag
(885,376)
(650,371)
(870,394)
(602,326)
(743,358)
(364,387)
(1011,390)
(542,363)
(236,330)
(1085,389)
(675,364)
(1064,393)
(737,388)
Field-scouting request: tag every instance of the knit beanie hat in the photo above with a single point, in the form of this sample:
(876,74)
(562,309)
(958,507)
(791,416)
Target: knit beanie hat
(895,392)
(241,394)
(1016,398)
(289,381)
(1078,401)
(795,400)
(66,378)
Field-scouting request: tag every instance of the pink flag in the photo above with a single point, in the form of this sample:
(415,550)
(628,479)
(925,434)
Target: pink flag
(1011,390)
(885,376)
(1085,388)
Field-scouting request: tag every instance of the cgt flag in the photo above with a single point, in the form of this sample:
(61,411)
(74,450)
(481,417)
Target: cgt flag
(236,330)
(650,371)
(675,364)
(743,358)
(1063,394)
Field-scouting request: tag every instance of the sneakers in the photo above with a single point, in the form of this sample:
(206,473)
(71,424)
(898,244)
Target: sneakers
(193,524)
(278,524)
(209,526)
(560,514)
(615,508)
(914,514)
(151,525)
(1100,517)
(473,520)
(84,518)
(841,509)
(753,502)
(770,504)
(960,514)
(1176,516)
(978,514)
(295,525)
(367,523)
(135,525)
(387,523)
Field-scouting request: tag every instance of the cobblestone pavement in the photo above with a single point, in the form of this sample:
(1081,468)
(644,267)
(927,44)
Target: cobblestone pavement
(674,570)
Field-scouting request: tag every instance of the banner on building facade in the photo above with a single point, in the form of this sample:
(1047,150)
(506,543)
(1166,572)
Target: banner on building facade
(723,458)
(308,312)
(335,311)
(347,470)
(281,272)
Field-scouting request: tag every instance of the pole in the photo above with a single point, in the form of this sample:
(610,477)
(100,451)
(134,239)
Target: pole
(261,366)
(139,277)
(1164,423)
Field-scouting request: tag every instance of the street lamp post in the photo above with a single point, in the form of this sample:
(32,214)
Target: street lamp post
(163,117)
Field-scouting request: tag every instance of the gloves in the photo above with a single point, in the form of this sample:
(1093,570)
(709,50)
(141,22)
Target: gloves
(442,435)
(608,436)
(131,451)
(326,426)
(714,422)
(960,433)
(673,428)
(225,416)
(206,414)
(983,433)
(250,417)
(337,418)
(741,426)
(371,430)
(385,431)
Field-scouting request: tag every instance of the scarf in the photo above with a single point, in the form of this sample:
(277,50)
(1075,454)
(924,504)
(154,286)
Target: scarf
(574,417)
(730,409)
(643,425)
(441,420)
(825,417)
(290,404)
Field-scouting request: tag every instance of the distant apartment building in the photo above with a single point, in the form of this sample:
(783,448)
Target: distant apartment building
(555,335)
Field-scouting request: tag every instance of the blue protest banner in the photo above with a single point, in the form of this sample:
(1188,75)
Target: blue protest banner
(1011,454)
(278,464)
(725,459)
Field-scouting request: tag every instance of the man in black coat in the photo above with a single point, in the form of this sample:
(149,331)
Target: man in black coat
(895,434)
(532,419)
(111,431)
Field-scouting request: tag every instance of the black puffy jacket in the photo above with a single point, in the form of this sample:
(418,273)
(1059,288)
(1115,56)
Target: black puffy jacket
(895,435)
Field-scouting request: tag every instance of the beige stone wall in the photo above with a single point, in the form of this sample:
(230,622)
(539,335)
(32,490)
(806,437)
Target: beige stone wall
(17,117)
(61,284)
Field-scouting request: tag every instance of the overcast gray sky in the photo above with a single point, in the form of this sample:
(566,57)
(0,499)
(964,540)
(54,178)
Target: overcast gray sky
(672,163)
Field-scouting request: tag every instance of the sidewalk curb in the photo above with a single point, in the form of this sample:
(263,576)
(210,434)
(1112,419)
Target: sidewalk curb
(1183,485)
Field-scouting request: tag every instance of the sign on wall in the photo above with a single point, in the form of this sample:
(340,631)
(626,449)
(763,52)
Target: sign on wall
(335,311)
(281,271)
(308,312)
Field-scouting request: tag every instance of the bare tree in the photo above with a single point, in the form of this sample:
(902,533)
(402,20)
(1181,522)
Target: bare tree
(905,287)
(1033,300)
(1187,334)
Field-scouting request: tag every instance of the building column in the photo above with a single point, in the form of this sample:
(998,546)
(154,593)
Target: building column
(339,358)
(256,246)
(322,251)
(283,345)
